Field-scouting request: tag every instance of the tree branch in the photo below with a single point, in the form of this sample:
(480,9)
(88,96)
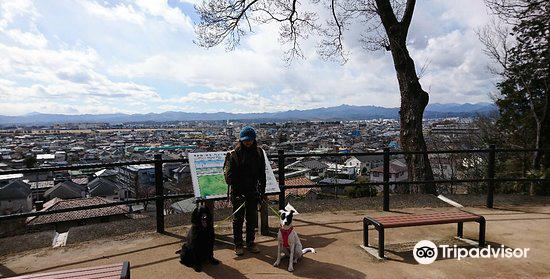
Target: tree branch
(407,16)
(386,14)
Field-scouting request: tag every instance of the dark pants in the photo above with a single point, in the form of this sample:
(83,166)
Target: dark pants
(250,211)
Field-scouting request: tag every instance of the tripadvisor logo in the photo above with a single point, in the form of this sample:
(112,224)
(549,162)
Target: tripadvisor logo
(425,252)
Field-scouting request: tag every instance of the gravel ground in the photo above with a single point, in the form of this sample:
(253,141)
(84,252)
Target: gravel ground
(412,201)
(335,236)
(21,243)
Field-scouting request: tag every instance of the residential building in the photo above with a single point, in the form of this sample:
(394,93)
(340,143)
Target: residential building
(397,172)
(137,178)
(15,197)
(66,190)
(103,187)
(62,221)
(363,164)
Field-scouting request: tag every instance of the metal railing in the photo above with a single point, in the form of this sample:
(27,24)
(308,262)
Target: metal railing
(489,179)
(160,197)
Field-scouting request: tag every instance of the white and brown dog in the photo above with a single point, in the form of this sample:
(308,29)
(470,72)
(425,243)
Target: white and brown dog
(289,242)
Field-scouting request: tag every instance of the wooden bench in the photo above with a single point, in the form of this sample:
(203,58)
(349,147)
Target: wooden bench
(386,222)
(120,270)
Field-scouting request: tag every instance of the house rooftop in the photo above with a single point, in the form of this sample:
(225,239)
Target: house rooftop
(76,215)
(45,156)
(10,176)
(140,167)
(66,190)
(15,190)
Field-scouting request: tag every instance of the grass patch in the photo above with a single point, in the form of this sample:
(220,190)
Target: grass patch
(212,185)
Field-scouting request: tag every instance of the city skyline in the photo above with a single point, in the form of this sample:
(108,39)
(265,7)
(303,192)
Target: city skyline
(342,112)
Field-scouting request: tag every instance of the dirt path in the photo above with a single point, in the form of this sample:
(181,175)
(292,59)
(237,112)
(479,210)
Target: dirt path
(336,237)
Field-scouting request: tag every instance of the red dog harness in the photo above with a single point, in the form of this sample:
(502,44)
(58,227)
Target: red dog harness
(285,234)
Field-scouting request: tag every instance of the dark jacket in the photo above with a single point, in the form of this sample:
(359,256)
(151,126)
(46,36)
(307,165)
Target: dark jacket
(244,170)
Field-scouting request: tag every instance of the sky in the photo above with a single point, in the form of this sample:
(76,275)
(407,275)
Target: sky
(86,56)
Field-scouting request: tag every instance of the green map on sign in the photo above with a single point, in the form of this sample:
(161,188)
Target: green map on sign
(208,178)
(212,185)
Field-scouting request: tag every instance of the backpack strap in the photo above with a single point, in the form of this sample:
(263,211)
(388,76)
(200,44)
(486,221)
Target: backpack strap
(226,165)
(260,152)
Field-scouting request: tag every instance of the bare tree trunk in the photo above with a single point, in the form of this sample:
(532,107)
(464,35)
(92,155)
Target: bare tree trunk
(545,138)
(413,103)
(541,140)
(538,154)
(545,129)
(413,98)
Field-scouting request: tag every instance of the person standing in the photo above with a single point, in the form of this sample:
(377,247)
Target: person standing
(244,171)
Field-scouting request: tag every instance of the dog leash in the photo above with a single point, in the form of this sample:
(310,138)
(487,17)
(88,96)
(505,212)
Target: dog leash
(230,216)
(240,207)
(273,210)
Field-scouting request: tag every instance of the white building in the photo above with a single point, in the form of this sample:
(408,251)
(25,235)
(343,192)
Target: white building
(363,164)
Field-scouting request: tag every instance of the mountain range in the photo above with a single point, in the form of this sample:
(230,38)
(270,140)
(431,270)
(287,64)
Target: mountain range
(342,112)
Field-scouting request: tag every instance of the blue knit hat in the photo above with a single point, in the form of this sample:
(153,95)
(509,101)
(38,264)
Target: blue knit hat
(247,133)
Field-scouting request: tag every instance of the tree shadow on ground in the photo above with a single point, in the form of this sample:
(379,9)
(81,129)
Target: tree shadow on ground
(181,237)
(519,211)
(100,258)
(306,267)
(330,225)
(6,272)
(223,271)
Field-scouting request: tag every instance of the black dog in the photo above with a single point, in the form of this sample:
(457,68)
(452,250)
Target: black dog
(200,240)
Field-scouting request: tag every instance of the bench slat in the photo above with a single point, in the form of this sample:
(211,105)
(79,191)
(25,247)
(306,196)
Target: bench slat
(425,219)
(383,222)
(107,271)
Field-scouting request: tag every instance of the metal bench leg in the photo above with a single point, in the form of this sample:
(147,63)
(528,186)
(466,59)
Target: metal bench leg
(381,242)
(365,233)
(481,222)
(125,273)
(460,230)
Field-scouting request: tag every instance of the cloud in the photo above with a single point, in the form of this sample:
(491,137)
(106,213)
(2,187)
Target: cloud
(21,108)
(11,10)
(171,15)
(141,12)
(117,12)
(139,57)
(212,97)
(456,68)
(245,102)
(257,64)
(42,76)
(27,38)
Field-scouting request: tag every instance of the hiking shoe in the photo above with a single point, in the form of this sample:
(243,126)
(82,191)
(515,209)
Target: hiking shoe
(253,249)
(239,251)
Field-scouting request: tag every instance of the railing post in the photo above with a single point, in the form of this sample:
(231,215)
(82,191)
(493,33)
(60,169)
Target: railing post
(210,205)
(386,179)
(491,176)
(281,168)
(159,193)
(264,221)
